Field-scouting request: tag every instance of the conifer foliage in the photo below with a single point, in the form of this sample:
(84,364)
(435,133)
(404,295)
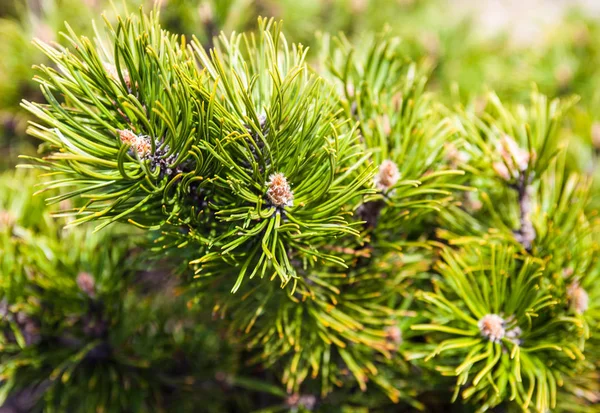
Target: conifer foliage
(315,230)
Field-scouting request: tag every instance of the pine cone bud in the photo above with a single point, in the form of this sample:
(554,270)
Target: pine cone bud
(492,327)
(394,335)
(578,298)
(279,192)
(358,6)
(501,170)
(44,32)
(581,37)
(139,144)
(431,43)
(7,219)
(516,159)
(479,105)
(306,401)
(206,13)
(388,175)
(567,272)
(386,125)
(563,75)
(86,283)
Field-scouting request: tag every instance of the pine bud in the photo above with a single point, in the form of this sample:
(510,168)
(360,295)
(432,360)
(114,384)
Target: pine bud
(7,219)
(143,147)
(306,401)
(127,137)
(581,37)
(359,6)
(44,32)
(205,12)
(512,152)
(501,170)
(516,160)
(139,144)
(86,283)
(431,43)
(578,298)
(386,125)
(492,327)
(563,75)
(388,175)
(567,272)
(279,192)
(479,105)
(394,335)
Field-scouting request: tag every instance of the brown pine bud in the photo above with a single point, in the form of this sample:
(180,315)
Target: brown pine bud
(567,272)
(86,283)
(143,147)
(388,175)
(359,6)
(492,327)
(279,192)
(206,13)
(44,32)
(563,75)
(139,144)
(431,43)
(394,335)
(501,170)
(578,298)
(127,137)
(7,219)
(306,401)
(581,37)
(386,125)
(479,105)
(515,159)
